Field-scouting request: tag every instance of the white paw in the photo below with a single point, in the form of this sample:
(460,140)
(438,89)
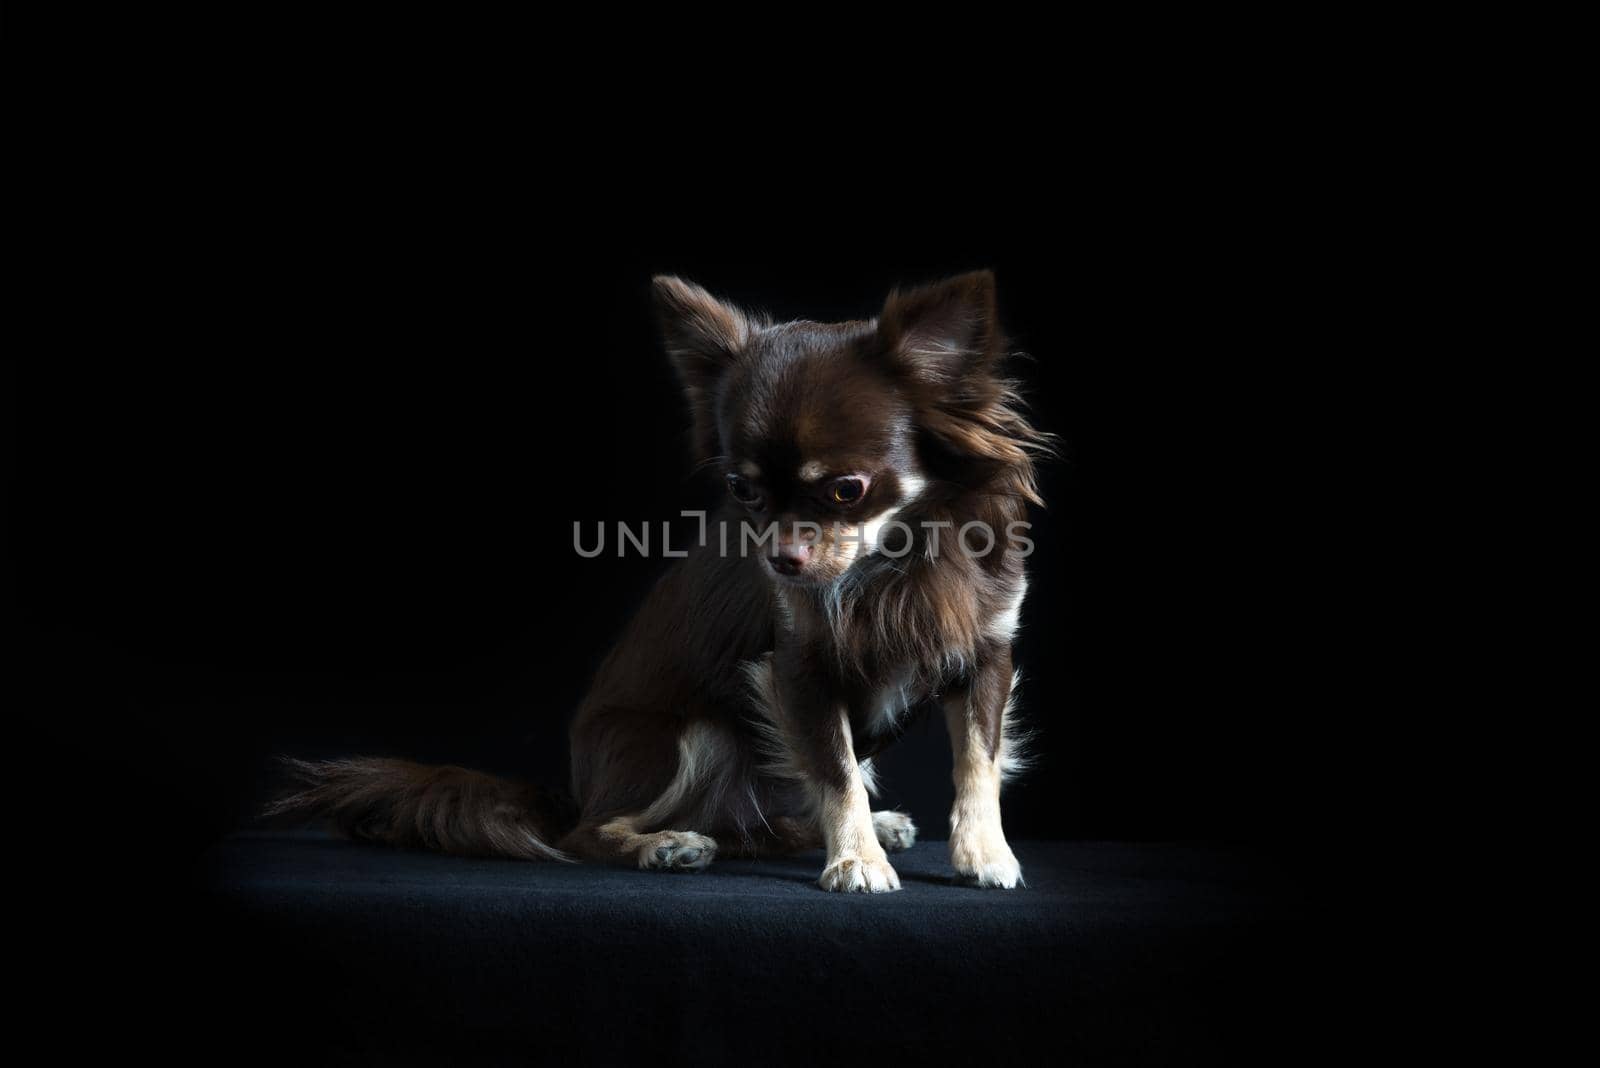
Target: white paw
(986,862)
(895,830)
(859,875)
(676,851)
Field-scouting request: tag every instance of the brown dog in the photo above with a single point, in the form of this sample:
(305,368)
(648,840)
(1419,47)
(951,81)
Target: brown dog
(869,563)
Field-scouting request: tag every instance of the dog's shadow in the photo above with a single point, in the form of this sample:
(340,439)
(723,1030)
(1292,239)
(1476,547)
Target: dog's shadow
(806,868)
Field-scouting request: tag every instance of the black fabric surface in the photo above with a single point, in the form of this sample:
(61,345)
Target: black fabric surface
(333,951)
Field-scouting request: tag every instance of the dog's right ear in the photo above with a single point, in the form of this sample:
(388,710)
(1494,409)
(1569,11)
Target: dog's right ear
(704,337)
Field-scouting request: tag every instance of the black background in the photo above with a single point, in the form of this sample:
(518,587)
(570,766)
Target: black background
(318,364)
(332,346)
(326,329)
(308,482)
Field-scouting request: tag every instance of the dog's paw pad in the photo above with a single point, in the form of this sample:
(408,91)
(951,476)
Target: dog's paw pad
(859,875)
(677,851)
(895,830)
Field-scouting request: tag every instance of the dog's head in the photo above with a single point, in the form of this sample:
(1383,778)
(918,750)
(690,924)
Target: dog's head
(832,430)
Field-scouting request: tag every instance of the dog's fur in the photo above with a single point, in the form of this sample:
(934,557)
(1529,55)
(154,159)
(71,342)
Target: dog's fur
(742,706)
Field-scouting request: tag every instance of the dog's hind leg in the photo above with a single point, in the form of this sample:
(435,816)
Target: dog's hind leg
(619,839)
(643,835)
(895,830)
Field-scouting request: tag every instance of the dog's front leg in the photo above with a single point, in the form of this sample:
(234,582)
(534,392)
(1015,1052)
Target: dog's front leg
(856,860)
(975,715)
(819,730)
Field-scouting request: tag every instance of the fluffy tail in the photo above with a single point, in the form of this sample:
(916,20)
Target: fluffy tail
(448,809)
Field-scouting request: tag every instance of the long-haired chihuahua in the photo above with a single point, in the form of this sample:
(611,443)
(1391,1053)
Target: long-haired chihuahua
(878,475)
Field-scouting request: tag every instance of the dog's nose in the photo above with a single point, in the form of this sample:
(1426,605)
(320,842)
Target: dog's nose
(790,557)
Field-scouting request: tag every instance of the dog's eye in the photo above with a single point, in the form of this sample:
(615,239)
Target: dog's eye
(743,490)
(847,490)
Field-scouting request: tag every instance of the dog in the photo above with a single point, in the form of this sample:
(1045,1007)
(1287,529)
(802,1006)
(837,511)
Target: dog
(878,475)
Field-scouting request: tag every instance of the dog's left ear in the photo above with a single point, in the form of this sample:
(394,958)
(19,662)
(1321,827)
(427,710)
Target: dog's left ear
(942,331)
(945,342)
(704,337)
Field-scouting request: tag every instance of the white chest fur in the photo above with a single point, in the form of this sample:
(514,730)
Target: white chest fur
(891,701)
